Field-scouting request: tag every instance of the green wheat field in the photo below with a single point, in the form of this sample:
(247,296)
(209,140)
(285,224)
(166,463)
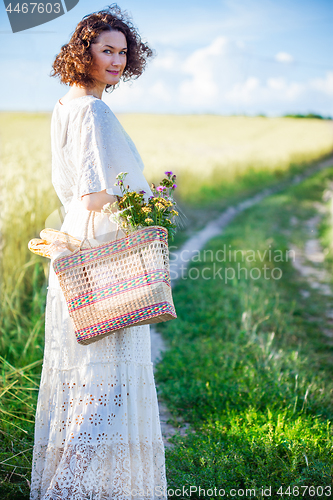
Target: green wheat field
(215,158)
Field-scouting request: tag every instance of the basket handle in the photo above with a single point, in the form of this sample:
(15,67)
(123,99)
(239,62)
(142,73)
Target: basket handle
(85,235)
(86,229)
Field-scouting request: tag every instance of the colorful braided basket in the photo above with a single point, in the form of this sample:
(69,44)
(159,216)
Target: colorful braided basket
(118,284)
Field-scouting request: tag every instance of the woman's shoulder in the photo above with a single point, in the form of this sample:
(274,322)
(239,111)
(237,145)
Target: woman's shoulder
(94,109)
(87,114)
(97,106)
(82,104)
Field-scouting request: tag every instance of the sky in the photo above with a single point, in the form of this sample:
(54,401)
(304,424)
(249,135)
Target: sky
(270,57)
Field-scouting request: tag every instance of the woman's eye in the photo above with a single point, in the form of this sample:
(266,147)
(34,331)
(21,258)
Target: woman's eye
(121,52)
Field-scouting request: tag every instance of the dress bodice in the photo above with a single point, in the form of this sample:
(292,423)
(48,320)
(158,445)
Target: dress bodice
(89,148)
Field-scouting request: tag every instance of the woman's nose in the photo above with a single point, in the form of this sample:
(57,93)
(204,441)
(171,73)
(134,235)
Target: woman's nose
(116,60)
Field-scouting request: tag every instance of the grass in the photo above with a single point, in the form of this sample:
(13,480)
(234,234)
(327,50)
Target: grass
(326,225)
(246,367)
(19,389)
(28,199)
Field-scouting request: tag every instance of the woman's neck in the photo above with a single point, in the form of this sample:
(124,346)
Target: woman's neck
(76,91)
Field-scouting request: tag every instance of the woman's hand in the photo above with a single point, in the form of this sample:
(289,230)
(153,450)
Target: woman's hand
(96,201)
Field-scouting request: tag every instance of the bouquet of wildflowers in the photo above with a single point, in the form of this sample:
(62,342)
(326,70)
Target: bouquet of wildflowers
(131,212)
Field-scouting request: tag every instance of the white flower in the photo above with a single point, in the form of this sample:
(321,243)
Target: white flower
(127,208)
(121,175)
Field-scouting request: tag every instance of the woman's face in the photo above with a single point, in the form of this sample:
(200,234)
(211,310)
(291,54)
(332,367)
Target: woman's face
(109,57)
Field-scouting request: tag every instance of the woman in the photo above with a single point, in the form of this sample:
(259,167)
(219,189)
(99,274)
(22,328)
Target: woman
(97,432)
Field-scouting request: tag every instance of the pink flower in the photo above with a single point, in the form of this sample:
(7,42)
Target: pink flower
(160,188)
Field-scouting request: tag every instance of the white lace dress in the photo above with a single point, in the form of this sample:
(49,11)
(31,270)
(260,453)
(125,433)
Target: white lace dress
(97,433)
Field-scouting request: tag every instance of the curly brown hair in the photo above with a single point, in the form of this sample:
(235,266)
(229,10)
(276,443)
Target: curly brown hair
(74,61)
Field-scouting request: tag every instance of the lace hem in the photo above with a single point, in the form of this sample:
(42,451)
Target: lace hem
(127,362)
(103,472)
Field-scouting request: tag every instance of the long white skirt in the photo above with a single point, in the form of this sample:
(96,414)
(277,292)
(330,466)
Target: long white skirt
(97,431)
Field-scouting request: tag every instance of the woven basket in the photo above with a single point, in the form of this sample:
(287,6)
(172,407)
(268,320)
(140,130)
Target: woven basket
(117,284)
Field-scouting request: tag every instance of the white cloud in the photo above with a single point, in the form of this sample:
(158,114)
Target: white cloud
(255,92)
(203,60)
(208,67)
(161,91)
(168,62)
(198,92)
(217,79)
(284,57)
(277,84)
(244,92)
(203,87)
(324,85)
(283,90)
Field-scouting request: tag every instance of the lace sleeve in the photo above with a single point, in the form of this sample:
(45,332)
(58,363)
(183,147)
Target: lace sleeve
(105,150)
(96,169)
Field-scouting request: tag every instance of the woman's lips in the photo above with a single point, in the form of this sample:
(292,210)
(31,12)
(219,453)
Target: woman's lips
(113,72)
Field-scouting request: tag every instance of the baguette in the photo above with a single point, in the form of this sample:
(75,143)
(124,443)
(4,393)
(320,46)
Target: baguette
(46,248)
(52,235)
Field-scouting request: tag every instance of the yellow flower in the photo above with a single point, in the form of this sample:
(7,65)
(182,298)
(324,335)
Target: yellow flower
(149,221)
(160,206)
(146,210)
(174,212)
(165,202)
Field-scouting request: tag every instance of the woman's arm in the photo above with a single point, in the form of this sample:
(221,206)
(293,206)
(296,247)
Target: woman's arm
(96,201)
